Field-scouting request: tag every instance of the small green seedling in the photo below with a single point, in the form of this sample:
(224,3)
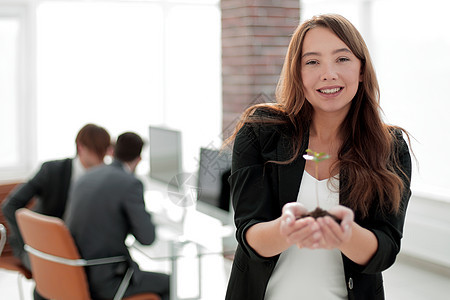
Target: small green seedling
(317,157)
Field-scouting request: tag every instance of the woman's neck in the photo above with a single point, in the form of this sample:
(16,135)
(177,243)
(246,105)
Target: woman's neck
(324,136)
(326,129)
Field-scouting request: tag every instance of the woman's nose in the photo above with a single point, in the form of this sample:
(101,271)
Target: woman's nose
(328,73)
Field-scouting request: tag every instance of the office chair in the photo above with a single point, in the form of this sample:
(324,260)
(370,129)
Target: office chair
(7,259)
(58,269)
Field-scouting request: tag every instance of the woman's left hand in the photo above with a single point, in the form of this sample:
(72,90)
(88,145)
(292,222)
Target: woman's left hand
(334,234)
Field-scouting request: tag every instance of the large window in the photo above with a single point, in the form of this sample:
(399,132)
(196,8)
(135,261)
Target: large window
(409,44)
(123,64)
(99,62)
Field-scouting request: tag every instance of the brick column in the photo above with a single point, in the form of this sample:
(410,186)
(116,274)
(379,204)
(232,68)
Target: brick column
(255,36)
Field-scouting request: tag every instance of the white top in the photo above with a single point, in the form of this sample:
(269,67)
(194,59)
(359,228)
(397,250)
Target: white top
(305,273)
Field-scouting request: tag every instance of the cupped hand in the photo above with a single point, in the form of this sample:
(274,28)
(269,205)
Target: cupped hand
(334,234)
(305,232)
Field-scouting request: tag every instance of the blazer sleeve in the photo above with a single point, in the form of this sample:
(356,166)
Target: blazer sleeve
(22,195)
(252,182)
(140,221)
(388,227)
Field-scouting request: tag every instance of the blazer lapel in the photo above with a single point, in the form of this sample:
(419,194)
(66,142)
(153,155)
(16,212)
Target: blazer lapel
(290,176)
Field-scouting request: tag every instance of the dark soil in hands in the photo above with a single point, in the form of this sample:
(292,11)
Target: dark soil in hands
(319,212)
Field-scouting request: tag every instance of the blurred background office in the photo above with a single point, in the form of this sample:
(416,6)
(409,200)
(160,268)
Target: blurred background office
(194,65)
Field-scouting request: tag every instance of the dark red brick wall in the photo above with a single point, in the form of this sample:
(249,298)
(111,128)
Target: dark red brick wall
(255,36)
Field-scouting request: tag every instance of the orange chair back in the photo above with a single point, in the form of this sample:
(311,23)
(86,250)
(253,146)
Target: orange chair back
(50,235)
(54,280)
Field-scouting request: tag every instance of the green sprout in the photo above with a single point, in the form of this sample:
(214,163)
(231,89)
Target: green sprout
(317,157)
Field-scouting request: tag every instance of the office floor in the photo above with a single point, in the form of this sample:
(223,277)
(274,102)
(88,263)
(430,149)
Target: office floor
(405,280)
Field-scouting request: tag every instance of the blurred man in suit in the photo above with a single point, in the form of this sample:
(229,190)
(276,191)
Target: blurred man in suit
(105,206)
(50,185)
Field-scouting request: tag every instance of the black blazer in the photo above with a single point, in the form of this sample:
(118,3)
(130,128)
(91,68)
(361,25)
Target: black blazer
(260,189)
(50,186)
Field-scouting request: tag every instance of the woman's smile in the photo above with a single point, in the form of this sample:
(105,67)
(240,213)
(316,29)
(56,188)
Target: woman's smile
(330,91)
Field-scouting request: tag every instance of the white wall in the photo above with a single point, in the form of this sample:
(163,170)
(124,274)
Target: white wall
(427,229)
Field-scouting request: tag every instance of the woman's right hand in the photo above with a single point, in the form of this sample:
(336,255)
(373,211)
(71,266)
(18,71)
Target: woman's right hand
(305,232)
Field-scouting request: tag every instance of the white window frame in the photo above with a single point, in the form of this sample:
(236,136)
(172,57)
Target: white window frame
(23,11)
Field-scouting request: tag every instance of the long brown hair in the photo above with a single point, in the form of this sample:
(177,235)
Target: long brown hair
(366,158)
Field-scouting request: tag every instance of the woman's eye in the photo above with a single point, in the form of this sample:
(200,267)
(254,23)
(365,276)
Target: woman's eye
(312,62)
(343,59)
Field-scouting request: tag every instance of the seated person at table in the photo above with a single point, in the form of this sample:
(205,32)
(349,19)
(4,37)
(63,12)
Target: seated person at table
(50,185)
(105,206)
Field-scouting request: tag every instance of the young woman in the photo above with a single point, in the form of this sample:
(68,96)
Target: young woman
(327,101)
